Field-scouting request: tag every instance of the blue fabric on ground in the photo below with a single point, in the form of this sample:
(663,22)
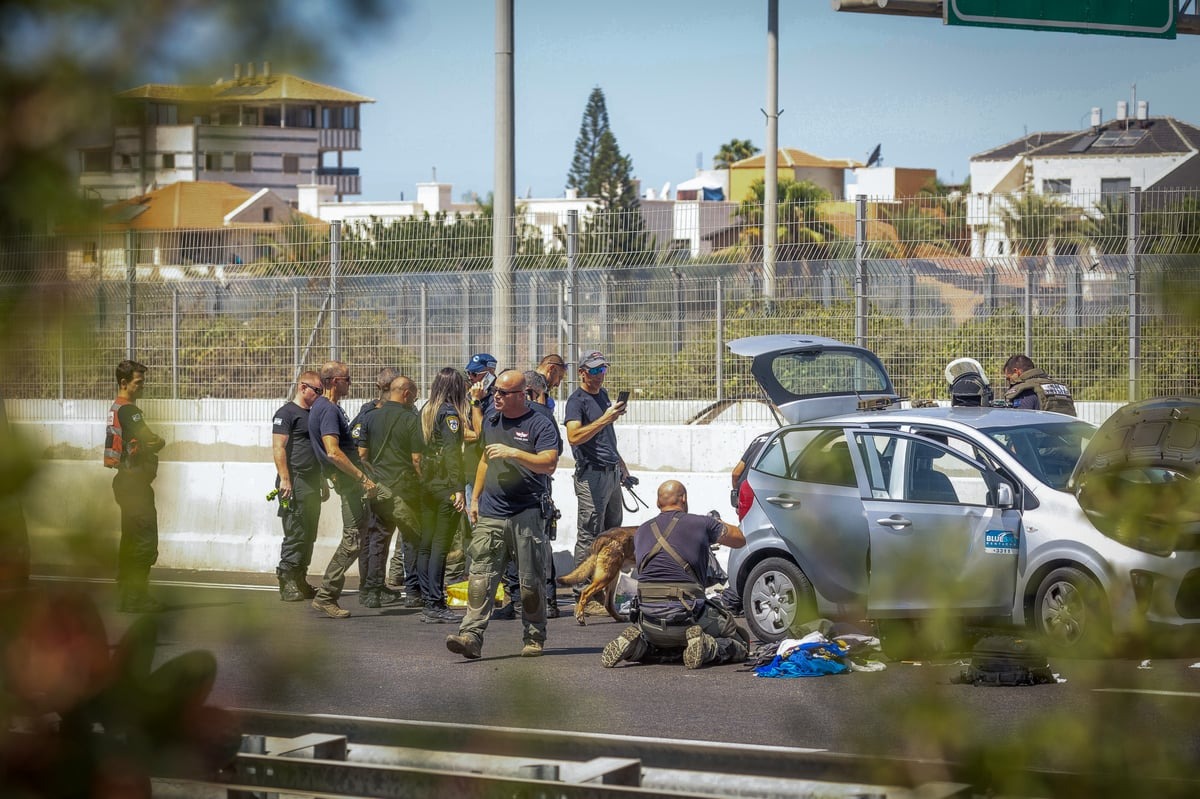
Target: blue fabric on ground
(807,660)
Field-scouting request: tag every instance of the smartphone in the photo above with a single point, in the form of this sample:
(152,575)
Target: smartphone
(487,381)
(623,396)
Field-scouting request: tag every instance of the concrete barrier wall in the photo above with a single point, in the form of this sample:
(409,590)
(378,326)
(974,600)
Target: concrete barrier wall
(214,477)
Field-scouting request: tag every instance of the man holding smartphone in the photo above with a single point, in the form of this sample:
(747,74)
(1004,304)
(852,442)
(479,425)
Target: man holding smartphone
(599,468)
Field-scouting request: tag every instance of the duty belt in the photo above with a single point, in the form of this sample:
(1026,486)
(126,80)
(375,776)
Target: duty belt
(685,592)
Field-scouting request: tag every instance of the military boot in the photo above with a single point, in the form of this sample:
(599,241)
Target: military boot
(301,579)
(288,590)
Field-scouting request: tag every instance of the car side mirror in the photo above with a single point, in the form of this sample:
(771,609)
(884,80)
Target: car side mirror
(1004,495)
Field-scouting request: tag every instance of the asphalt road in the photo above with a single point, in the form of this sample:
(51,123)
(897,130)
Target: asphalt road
(1118,715)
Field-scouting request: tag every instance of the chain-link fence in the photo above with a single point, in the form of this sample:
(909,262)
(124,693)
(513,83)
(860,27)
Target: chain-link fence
(1102,292)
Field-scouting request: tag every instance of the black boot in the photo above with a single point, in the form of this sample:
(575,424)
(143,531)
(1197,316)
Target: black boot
(301,580)
(288,591)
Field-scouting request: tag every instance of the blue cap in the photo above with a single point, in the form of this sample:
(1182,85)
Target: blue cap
(480,362)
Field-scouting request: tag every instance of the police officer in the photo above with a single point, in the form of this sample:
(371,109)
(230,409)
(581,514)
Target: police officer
(672,555)
(1030,387)
(390,446)
(520,448)
(538,391)
(301,488)
(132,448)
(599,468)
(329,432)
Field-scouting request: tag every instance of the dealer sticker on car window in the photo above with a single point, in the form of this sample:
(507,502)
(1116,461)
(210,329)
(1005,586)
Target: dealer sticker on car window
(1000,542)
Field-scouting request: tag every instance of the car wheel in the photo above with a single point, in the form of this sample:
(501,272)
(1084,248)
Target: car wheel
(1069,612)
(778,598)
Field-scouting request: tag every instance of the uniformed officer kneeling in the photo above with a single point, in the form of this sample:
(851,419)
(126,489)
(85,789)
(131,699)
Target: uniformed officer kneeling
(672,556)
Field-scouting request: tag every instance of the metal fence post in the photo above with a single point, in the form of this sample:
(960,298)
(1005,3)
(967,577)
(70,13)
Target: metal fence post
(720,339)
(570,294)
(424,346)
(860,271)
(174,343)
(535,287)
(130,294)
(335,316)
(827,286)
(677,309)
(62,344)
(296,331)
(604,301)
(1135,321)
(1074,309)
(908,296)
(1028,310)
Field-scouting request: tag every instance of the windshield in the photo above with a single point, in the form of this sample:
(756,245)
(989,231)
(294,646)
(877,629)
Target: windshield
(1048,450)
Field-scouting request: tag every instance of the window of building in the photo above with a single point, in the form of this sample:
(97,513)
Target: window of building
(301,116)
(343,117)
(212,162)
(1056,186)
(96,160)
(126,161)
(1111,186)
(250,117)
(162,114)
(291,164)
(268,214)
(271,116)
(241,162)
(168,160)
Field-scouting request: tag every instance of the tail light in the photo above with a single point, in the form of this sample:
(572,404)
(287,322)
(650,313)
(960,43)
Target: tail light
(745,499)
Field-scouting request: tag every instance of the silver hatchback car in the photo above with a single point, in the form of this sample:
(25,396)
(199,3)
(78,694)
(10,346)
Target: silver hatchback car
(860,509)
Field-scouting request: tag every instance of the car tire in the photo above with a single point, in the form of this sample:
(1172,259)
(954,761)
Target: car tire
(1071,614)
(777,599)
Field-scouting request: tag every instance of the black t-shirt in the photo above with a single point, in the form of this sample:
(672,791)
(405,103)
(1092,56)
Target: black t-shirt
(510,487)
(600,451)
(691,538)
(139,457)
(442,464)
(292,421)
(325,418)
(391,434)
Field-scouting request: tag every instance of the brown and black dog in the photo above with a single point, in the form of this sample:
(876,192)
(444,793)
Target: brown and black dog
(611,551)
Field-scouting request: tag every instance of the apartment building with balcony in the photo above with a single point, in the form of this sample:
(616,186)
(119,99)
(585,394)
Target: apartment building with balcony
(258,130)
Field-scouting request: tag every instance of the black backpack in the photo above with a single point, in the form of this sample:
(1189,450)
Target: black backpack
(1006,660)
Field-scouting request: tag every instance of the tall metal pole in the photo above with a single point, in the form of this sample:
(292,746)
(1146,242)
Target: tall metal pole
(771,165)
(335,316)
(504,197)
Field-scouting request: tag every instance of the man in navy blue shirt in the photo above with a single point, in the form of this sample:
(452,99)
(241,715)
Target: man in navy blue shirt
(329,431)
(302,488)
(520,450)
(599,468)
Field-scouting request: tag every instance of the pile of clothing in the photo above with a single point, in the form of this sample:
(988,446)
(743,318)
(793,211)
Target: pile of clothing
(824,650)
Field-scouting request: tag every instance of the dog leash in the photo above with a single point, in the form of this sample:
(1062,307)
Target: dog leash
(628,485)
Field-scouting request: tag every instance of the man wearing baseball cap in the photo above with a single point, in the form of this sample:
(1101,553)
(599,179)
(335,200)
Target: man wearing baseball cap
(599,468)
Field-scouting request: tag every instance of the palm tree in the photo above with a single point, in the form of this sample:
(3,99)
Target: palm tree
(1040,224)
(803,231)
(732,151)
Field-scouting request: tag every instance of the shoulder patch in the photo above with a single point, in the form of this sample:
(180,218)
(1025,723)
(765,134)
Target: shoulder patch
(278,421)
(453,423)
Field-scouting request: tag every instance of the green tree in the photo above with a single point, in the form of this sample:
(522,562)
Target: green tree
(1041,224)
(732,151)
(803,231)
(587,145)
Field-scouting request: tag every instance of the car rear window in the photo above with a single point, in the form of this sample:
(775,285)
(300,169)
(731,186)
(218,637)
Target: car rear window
(827,372)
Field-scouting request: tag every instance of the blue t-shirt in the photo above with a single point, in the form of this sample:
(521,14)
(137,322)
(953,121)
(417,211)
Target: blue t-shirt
(509,487)
(325,418)
(600,451)
(691,538)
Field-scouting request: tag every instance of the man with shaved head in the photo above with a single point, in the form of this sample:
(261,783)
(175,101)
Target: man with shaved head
(672,556)
(390,445)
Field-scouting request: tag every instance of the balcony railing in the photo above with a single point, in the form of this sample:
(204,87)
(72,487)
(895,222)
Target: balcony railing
(340,139)
(345,180)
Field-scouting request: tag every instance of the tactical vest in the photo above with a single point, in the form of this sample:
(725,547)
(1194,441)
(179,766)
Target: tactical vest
(114,438)
(1051,396)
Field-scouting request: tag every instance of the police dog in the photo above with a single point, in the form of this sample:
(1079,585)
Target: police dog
(611,551)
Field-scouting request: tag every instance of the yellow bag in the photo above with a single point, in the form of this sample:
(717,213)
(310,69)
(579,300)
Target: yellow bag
(456,594)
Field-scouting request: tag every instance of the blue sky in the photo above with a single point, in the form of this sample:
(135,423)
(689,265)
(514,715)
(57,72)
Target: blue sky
(683,76)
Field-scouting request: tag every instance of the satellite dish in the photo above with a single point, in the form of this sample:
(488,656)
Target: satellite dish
(873,159)
(666,191)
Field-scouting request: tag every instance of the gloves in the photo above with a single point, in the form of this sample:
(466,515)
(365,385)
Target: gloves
(716,514)
(630,481)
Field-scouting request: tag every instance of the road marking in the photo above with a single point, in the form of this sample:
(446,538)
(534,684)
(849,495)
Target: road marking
(1193,694)
(171,583)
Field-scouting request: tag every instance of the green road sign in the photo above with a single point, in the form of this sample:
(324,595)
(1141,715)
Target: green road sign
(1151,18)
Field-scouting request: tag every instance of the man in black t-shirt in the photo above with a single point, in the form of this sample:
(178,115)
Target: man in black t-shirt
(599,468)
(672,556)
(390,445)
(132,448)
(329,432)
(520,449)
(301,487)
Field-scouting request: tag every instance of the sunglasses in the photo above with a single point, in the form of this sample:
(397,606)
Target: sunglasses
(597,370)
(348,381)
(318,390)
(504,393)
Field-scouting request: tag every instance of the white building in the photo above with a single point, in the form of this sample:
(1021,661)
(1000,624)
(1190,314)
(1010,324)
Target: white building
(1081,167)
